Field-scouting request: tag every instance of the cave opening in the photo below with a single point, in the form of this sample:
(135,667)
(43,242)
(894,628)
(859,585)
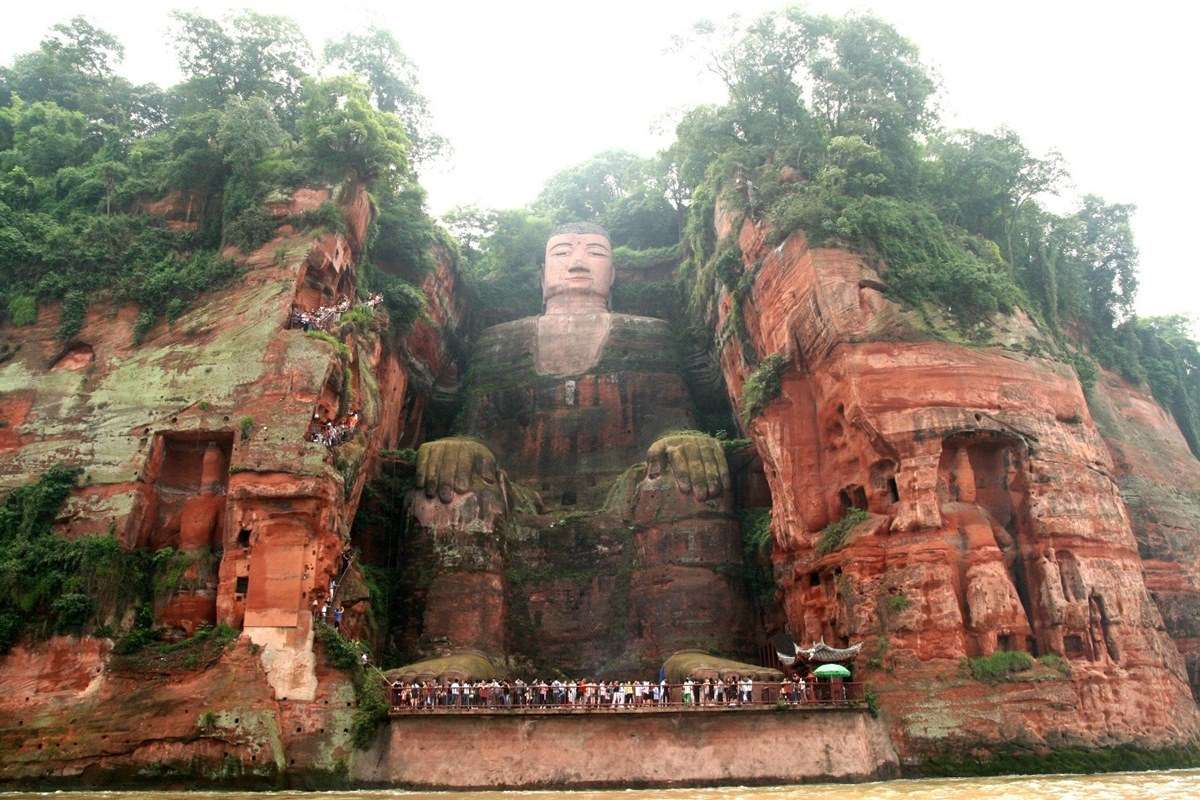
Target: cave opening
(852,496)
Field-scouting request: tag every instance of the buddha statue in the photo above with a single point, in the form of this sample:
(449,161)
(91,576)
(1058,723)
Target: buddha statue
(576,518)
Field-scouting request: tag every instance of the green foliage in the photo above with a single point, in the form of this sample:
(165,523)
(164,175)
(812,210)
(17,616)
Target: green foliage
(756,555)
(1055,662)
(375,55)
(82,151)
(1169,358)
(371,707)
(833,535)
(246,427)
(22,310)
(829,129)
(762,386)
(872,701)
(1013,758)
(251,229)
(1085,369)
(49,584)
(1000,665)
(337,344)
(341,653)
(898,603)
(625,193)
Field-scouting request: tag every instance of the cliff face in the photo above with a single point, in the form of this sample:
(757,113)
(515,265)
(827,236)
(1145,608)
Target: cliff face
(199,439)
(1160,483)
(1001,508)
(994,517)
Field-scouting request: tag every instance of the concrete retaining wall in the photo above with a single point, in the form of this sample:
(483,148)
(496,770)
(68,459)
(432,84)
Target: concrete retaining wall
(656,749)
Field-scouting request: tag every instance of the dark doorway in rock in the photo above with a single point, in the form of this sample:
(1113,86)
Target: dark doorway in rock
(852,496)
(241,585)
(1074,646)
(243,538)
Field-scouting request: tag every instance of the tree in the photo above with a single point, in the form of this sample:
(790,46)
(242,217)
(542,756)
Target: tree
(621,191)
(74,68)
(250,55)
(376,57)
(346,136)
(248,132)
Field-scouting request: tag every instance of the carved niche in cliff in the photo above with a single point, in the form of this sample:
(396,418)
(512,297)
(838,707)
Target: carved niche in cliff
(182,506)
(617,563)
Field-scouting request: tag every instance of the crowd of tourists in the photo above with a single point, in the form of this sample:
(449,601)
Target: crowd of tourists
(332,433)
(588,695)
(323,318)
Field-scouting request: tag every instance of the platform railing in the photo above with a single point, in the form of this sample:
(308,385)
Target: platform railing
(439,699)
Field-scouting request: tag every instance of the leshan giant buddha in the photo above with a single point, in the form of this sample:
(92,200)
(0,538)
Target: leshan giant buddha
(575,523)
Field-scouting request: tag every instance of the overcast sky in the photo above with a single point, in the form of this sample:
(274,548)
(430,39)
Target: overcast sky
(522,90)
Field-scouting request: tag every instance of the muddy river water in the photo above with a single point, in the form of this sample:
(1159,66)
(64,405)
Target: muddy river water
(1110,786)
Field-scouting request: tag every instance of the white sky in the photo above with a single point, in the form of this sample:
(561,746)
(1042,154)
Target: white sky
(524,89)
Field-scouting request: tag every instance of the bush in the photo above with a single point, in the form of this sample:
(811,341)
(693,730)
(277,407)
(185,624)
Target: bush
(763,386)
(1055,662)
(833,535)
(898,603)
(74,311)
(22,310)
(327,216)
(251,229)
(246,427)
(1000,665)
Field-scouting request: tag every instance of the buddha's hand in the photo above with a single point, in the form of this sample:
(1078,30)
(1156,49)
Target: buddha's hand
(695,460)
(454,466)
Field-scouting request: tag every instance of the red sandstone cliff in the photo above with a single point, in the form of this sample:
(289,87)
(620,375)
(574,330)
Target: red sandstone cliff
(198,439)
(995,517)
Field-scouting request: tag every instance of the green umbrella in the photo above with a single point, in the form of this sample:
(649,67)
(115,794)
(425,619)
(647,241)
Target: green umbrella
(831,671)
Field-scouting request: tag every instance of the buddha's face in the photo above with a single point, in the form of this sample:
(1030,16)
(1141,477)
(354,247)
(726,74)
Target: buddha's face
(578,265)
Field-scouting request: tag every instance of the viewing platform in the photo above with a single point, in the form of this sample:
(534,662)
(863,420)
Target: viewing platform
(821,697)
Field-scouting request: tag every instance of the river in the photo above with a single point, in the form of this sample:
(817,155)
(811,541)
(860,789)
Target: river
(1110,786)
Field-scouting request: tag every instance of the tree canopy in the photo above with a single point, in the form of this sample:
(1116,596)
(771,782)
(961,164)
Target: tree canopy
(83,151)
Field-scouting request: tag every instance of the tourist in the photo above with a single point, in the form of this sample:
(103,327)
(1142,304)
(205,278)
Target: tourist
(718,691)
(687,691)
(664,691)
(455,692)
(337,618)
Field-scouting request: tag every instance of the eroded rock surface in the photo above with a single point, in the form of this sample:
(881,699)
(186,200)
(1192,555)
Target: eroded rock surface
(994,519)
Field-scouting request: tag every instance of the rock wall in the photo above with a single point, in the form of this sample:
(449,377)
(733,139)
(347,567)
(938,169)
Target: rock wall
(628,750)
(993,517)
(1160,483)
(198,438)
(72,714)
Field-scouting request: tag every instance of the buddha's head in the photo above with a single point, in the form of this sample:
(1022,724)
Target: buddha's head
(578,273)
